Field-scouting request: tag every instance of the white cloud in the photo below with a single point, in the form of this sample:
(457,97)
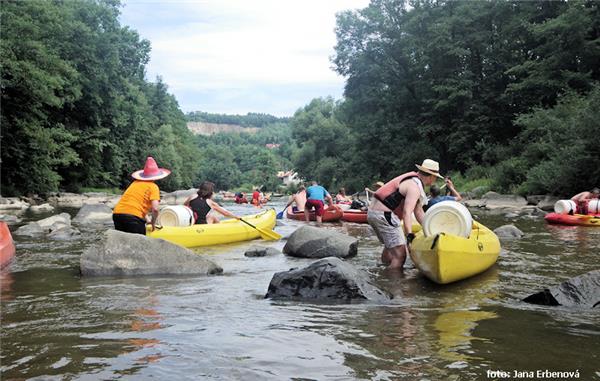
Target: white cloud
(229,47)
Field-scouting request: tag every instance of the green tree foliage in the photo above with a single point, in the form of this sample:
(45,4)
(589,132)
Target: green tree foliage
(249,120)
(76,110)
(447,80)
(242,160)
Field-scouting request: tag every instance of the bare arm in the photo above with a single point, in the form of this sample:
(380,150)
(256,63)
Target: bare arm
(154,211)
(580,196)
(189,199)
(455,194)
(329,199)
(411,201)
(220,209)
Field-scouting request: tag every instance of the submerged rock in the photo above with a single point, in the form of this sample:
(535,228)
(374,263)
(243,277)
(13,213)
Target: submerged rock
(261,251)
(44,208)
(581,291)
(508,231)
(120,253)
(328,278)
(312,242)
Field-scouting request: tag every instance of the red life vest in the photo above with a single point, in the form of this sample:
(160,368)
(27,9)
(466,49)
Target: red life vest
(389,194)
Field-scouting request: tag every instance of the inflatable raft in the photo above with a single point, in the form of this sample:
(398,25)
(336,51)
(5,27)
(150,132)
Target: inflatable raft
(330,215)
(7,246)
(575,219)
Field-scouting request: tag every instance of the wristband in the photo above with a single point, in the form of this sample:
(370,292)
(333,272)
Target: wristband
(410,237)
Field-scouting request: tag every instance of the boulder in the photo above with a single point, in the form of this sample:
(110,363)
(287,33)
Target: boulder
(74,200)
(547,203)
(327,278)
(581,291)
(494,200)
(64,233)
(12,205)
(261,251)
(119,253)
(10,219)
(478,191)
(312,242)
(44,226)
(177,197)
(44,208)
(94,214)
(508,231)
(475,203)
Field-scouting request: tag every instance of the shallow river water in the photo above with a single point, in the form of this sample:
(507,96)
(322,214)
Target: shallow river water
(56,325)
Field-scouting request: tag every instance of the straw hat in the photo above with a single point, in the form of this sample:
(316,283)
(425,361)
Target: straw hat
(151,171)
(430,166)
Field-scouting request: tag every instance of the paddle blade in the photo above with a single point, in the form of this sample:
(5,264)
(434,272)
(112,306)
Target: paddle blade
(280,215)
(269,235)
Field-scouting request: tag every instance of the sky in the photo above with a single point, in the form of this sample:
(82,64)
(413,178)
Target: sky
(235,56)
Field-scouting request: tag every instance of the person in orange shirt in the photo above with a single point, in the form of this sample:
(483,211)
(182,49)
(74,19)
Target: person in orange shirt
(140,198)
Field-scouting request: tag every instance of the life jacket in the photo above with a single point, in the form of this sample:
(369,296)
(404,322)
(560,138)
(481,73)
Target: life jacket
(389,194)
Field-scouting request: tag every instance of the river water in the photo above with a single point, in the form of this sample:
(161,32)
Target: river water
(59,326)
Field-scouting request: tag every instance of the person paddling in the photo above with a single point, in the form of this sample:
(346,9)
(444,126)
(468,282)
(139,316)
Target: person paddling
(396,201)
(435,193)
(201,204)
(139,199)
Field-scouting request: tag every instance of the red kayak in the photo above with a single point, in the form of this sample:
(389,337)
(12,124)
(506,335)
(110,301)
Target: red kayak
(330,215)
(7,246)
(575,219)
(355,215)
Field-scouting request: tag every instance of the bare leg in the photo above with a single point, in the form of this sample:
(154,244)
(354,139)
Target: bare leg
(386,257)
(398,257)
(319,220)
(306,214)
(210,219)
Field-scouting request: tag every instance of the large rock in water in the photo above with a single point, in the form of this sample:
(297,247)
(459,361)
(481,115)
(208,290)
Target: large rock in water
(120,253)
(508,231)
(45,226)
(94,214)
(312,242)
(328,278)
(581,291)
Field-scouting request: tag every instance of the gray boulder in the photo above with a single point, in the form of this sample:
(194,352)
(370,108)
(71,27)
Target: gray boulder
(328,278)
(177,197)
(12,205)
(44,208)
(261,251)
(94,214)
(127,254)
(312,242)
(547,203)
(508,231)
(495,200)
(64,233)
(10,219)
(44,226)
(581,291)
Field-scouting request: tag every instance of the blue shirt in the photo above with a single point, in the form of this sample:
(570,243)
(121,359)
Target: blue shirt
(316,192)
(437,199)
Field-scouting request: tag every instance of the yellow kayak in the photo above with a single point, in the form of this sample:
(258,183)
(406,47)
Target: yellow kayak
(446,258)
(226,231)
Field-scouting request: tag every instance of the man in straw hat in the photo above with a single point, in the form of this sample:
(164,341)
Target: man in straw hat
(396,201)
(141,197)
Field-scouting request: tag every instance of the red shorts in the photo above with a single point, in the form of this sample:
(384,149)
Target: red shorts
(317,204)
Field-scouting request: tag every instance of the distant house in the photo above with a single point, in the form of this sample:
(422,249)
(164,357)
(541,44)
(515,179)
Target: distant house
(272,145)
(289,177)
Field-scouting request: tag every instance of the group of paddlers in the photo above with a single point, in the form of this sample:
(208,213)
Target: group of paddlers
(390,211)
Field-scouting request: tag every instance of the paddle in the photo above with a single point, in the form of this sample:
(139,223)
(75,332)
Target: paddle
(265,234)
(280,214)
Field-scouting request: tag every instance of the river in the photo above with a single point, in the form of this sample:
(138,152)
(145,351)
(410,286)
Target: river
(59,326)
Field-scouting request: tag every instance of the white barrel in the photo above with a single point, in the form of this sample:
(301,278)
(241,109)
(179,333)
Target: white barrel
(593,206)
(448,217)
(176,215)
(565,207)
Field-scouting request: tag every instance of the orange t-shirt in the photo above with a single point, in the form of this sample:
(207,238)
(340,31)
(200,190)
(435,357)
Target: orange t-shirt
(137,199)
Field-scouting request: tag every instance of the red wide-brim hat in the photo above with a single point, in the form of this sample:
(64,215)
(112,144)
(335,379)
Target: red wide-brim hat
(151,171)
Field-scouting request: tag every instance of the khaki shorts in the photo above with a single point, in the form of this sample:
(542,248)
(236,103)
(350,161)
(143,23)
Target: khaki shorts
(387,228)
